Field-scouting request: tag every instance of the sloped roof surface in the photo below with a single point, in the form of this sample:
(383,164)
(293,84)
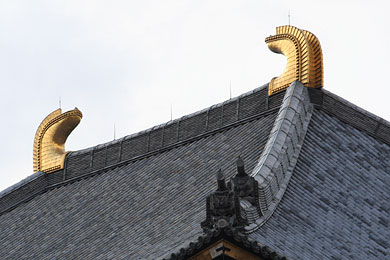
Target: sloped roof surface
(337,203)
(144,208)
(321,164)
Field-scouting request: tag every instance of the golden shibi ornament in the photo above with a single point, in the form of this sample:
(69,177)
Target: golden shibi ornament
(49,143)
(304,58)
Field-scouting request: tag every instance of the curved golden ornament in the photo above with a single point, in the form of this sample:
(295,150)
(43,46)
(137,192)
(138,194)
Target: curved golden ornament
(304,58)
(49,143)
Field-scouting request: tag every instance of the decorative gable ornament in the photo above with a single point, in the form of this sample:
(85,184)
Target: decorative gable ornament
(245,186)
(224,236)
(49,143)
(304,58)
(223,208)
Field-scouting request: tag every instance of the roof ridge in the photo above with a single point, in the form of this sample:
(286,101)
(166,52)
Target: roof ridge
(353,115)
(277,161)
(352,105)
(21,183)
(162,125)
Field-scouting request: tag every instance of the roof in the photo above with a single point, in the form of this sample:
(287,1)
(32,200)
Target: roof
(337,204)
(319,160)
(132,208)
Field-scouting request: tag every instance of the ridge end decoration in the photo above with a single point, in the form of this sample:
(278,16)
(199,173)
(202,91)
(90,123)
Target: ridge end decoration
(50,137)
(304,58)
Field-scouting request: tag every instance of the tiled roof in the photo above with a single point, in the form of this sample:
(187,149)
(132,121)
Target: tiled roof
(337,203)
(88,162)
(140,210)
(319,160)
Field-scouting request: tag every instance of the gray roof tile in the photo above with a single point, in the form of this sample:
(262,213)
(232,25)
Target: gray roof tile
(337,203)
(142,210)
(143,196)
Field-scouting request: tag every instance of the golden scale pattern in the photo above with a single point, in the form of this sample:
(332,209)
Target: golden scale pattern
(304,58)
(50,137)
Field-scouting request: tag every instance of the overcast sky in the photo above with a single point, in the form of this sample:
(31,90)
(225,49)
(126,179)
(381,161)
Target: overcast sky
(126,62)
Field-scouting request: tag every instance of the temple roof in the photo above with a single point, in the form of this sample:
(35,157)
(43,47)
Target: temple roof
(147,203)
(336,205)
(320,163)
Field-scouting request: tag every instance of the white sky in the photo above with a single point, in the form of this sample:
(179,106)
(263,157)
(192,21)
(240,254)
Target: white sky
(126,62)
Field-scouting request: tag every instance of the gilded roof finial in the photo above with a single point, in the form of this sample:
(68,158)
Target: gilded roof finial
(49,143)
(304,58)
